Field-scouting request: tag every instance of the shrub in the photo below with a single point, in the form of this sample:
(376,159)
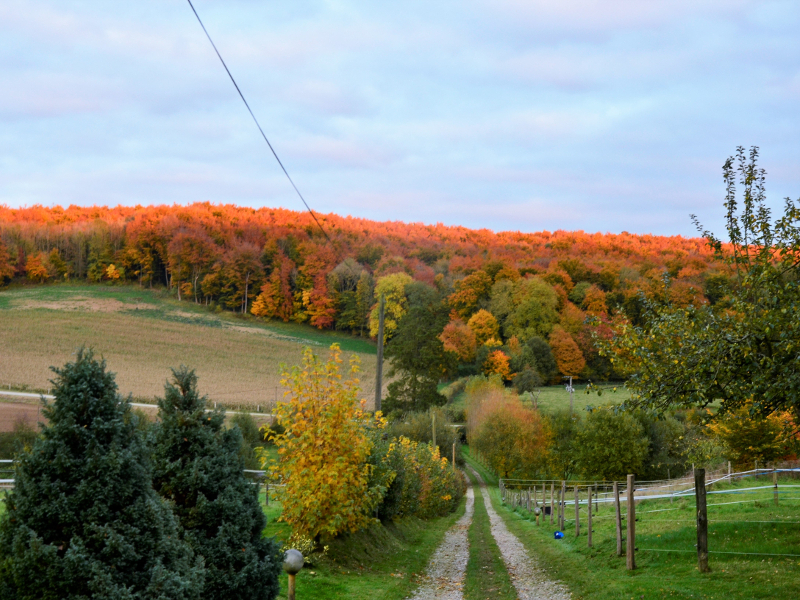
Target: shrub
(83,520)
(252,438)
(418,427)
(527,381)
(610,444)
(20,439)
(514,440)
(425,484)
(748,438)
(198,467)
(323,453)
(562,458)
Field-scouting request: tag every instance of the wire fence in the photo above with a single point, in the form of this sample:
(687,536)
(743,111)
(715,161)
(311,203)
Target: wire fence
(750,513)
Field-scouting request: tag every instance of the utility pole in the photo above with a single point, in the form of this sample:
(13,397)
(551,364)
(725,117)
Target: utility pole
(571,391)
(379,370)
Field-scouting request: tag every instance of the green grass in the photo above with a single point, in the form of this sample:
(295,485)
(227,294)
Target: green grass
(599,574)
(384,562)
(487,576)
(555,397)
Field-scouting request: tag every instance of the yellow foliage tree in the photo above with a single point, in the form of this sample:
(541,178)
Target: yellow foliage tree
(754,437)
(393,287)
(484,326)
(322,455)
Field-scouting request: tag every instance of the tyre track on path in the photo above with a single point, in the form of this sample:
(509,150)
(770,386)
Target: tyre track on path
(530,581)
(444,579)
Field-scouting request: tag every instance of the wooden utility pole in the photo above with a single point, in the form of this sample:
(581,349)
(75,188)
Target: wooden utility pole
(702,520)
(630,548)
(619,519)
(379,369)
(561,506)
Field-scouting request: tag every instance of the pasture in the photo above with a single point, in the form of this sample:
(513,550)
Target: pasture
(754,545)
(143,333)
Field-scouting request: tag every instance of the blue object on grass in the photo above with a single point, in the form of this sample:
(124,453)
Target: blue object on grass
(558,535)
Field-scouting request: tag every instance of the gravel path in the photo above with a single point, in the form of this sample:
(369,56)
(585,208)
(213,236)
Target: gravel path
(530,581)
(444,579)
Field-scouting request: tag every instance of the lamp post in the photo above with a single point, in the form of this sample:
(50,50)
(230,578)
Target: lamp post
(292,563)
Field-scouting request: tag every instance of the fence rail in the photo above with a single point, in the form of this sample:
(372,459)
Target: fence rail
(647,506)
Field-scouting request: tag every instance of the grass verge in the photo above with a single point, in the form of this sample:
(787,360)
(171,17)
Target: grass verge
(383,561)
(487,576)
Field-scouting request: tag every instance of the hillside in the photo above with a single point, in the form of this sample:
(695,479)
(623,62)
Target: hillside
(535,289)
(143,333)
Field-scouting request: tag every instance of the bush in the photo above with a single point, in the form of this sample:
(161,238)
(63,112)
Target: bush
(425,485)
(747,438)
(252,439)
(418,427)
(198,467)
(564,427)
(610,444)
(527,381)
(513,439)
(83,520)
(21,439)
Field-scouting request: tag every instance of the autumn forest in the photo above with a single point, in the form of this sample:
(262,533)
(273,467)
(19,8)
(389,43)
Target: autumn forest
(523,305)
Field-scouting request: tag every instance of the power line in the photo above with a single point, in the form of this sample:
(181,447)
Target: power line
(275,154)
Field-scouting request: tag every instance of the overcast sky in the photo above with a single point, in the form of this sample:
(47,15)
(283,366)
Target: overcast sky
(526,115)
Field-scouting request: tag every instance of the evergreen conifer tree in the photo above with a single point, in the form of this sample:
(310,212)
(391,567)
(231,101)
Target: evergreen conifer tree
(83,520)
(198,466)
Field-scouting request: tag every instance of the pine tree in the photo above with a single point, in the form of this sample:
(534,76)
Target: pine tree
(198,466)
(83,520)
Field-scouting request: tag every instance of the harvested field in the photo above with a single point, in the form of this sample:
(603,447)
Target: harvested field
(142,335)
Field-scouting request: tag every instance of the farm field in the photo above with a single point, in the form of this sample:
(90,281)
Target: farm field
(753,526)
(143,333)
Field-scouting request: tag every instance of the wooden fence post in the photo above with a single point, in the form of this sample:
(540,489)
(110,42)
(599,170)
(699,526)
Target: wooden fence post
(775,482)
(552,495)
(702,520)
(577,514)
(266,492)
(561,503)
(631,538)
(619,518)
(589,522)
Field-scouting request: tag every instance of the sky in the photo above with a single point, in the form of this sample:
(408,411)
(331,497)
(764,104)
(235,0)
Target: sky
(526,115)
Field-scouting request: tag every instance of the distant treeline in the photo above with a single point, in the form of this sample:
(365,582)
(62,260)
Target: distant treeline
(510,292)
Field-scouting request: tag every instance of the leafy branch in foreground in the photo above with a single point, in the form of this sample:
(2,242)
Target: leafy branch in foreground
(741,352)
